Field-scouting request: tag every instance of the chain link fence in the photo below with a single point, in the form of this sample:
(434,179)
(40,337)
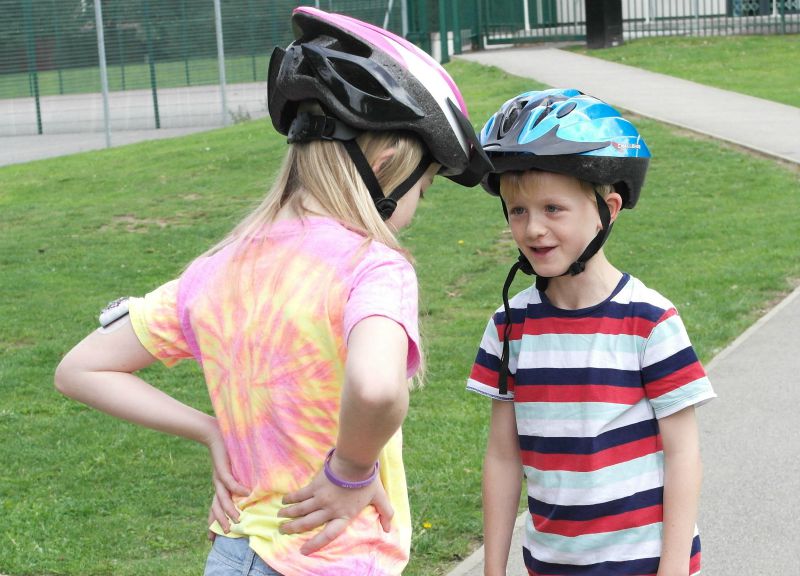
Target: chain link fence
(168,63)
(190,63)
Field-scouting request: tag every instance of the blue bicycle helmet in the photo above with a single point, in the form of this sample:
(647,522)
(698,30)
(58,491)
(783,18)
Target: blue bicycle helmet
(567,132)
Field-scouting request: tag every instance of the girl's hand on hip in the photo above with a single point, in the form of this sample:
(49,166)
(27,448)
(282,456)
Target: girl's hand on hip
(323,503)
(222,509)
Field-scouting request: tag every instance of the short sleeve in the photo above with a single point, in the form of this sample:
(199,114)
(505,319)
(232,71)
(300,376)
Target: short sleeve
(483,378)
(386,287)
(672,375)
(155,322)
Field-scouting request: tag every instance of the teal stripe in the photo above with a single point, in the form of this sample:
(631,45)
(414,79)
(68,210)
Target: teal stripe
(616,343)
(586,480)
(586,411)
(591,542)
(666,330)
(686,394)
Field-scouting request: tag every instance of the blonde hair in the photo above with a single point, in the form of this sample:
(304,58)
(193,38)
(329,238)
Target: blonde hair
(514,183)
(323,171)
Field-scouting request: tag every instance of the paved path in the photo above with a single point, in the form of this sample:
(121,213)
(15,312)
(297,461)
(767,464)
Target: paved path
(751,440)
(754,123)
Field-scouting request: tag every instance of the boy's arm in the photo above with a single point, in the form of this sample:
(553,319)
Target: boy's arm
(502,477)
(682,479)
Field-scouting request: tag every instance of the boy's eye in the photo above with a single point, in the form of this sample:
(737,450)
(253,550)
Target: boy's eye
(516,210)
(551,208)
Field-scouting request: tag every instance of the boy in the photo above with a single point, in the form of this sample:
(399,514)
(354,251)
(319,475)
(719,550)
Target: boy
(592,375)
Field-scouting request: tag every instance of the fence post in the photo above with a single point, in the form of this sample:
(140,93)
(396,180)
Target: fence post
(456,28)
(33,73)
(101,56)
(444,57)
(221,61)
(151,61)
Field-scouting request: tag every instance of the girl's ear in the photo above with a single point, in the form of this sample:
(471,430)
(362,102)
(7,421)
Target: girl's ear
(614,203)
(378,163)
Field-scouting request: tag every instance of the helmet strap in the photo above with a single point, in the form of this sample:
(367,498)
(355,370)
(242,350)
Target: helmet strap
(385,205)
(594,246)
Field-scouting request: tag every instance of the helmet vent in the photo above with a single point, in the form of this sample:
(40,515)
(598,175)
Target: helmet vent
(509,120)
(357,77)
(566,109)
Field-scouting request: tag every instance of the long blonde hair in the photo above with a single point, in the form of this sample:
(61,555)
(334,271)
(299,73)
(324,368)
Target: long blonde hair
(323,171)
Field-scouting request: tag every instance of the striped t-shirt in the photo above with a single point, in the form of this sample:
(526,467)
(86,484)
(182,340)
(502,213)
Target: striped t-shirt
(588,387)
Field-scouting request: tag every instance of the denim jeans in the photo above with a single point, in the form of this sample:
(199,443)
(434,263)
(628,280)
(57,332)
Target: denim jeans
(234,557)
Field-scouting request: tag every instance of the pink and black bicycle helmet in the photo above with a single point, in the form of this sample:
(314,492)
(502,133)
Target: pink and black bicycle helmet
(366,78)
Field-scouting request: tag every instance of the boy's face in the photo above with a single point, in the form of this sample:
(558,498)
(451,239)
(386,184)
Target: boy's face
(552,218)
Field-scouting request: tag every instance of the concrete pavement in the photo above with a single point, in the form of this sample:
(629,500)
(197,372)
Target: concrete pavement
(764,126)
(750,438)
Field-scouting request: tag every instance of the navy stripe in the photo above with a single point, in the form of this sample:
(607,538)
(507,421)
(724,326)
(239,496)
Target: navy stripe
(645,499)
(590,445)
(669,365)
(487,360)
(624,568)
(517,317)
(618,311)
(575,376)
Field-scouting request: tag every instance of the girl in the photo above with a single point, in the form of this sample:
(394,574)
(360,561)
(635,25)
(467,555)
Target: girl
(304,318)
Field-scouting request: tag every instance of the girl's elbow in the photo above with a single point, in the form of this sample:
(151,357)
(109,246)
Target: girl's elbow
(65,377)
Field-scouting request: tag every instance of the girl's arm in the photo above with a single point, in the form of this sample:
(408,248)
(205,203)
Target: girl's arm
(682,478)
(502,477)
(374,405)
(99,372)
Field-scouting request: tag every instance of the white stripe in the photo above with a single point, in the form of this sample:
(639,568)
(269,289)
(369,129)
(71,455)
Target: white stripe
(598,494)
(490,391)
(567,351)
(540,419)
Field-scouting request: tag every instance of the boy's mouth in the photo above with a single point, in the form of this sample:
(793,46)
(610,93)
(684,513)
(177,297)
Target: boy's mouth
(542,250)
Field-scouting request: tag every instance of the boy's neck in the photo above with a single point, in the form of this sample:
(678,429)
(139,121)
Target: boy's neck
(589,288)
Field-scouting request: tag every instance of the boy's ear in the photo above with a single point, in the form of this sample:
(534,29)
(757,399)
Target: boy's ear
(614,203)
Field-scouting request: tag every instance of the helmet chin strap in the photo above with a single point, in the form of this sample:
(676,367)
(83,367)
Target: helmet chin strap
(523,264)
(306,127)
(385,205)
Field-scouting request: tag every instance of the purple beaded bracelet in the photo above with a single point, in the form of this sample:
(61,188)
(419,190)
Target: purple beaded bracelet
(346,483)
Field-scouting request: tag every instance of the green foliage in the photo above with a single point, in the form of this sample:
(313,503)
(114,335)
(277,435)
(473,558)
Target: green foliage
(82,494)
(762,66)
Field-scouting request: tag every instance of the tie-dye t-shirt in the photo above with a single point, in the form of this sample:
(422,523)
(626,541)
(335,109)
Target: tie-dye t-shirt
(269,322)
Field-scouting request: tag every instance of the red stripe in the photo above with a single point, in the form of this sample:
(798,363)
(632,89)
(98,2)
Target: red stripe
(615,326)
(623,521)
(675,380)
(516,332)
(489,377)
(694,563)
(592,462)
(579,393)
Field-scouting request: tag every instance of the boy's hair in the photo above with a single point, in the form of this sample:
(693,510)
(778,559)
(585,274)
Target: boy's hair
(515,182)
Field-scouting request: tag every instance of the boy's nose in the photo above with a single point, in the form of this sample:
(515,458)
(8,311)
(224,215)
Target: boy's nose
(535,228)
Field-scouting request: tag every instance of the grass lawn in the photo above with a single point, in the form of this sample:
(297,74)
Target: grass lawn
(82,494)
(762,66)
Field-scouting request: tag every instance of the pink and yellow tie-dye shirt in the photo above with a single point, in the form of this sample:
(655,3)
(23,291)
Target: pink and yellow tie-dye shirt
(269,323)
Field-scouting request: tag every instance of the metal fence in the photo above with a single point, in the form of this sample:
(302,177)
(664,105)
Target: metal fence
(515,21)
(183,63)
(168,63)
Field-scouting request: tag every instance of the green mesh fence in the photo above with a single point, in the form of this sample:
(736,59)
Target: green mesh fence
(161,56)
